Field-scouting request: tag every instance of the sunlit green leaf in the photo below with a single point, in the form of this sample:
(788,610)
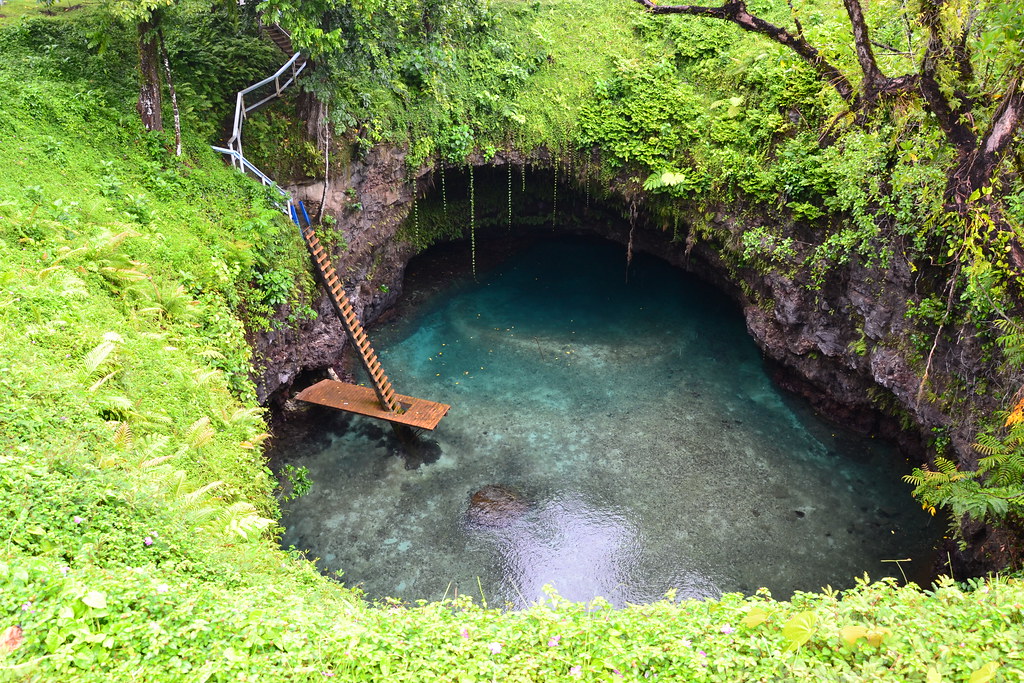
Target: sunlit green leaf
(799,629)
(755,617)
(95,599)
(985,674)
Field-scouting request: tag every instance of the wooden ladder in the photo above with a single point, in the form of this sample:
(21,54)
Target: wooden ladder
(354,329)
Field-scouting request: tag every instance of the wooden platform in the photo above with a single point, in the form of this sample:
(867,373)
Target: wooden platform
(361,400)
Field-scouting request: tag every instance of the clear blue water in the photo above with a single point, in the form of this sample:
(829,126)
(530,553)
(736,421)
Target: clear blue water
(638,429)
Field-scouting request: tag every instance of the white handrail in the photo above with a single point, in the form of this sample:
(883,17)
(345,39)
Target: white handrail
(238,159)
(242,110)
(234,149)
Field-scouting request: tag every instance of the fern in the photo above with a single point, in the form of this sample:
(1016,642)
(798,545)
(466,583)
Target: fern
(196,508)
(1011,341)
(989,494)
(200,433)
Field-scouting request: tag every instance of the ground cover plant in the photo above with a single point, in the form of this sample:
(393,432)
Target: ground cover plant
(136,512)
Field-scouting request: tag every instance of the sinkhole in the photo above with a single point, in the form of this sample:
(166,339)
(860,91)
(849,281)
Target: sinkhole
(609,436)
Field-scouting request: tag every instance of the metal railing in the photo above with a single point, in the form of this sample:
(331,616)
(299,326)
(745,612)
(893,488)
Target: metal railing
(280,80)
(240,162)
(293,67)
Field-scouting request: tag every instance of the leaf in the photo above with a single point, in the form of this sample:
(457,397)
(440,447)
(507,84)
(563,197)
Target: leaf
(755,617)
(200,433)
(876,635)
(95,599)
(799,629)
(850,634)
(985,673)
(933,675)
(98,355)
(11,639)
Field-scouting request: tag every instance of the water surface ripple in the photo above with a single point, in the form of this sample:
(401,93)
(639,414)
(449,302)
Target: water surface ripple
(636,430)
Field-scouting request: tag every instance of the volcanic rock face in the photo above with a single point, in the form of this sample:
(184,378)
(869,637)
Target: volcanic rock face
(366,255)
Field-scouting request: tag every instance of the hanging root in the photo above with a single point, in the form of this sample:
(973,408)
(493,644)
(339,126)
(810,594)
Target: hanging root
(629,245)
(938,335)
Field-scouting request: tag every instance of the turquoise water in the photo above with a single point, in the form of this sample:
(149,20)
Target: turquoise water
(637,428)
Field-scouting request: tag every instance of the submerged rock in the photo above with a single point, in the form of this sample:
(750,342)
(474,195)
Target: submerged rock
(496,505)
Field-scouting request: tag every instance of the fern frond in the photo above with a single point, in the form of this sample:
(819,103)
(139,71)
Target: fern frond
(988,444)
(204,377)
(242,520)
(95,358)
(1011,341)
(200,433)
(254,442)
(246,415)
(193,497)
(123,436)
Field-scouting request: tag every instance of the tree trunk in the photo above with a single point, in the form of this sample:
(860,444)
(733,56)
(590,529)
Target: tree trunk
(150,103)
(978,166)
(174,95)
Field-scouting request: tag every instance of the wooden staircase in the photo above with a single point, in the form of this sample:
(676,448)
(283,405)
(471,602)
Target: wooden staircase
(280,38)
(400,411)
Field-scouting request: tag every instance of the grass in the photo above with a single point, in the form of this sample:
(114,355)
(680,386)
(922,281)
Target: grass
(11,11)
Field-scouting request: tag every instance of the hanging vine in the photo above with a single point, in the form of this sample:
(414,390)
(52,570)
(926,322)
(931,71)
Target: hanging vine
(510,196)
(415,217)
(554,198)
(444,196)
(472,220)
(586,185)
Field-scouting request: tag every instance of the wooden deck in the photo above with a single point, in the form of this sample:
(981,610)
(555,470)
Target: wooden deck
(363,401)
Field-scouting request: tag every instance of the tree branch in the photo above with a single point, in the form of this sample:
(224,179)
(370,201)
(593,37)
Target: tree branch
(950,120)
(874,80)
(735,11)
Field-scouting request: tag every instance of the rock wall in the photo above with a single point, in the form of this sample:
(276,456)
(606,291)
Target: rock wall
(368,199)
